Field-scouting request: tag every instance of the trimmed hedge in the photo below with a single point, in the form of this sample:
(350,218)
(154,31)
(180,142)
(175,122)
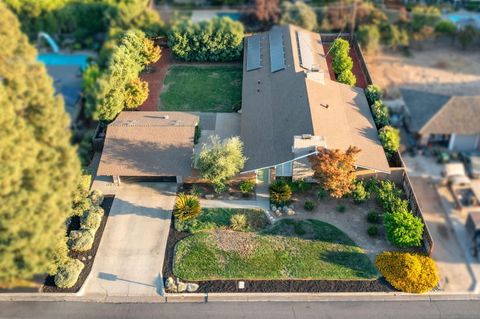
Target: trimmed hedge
(390,139)
(96,197)
(403,229)
(81,240)
(67,275)
(91,220)
(408,272)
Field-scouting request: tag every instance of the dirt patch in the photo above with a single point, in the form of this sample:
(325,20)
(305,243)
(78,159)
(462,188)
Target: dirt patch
(243,243)
(440,69)
(86,257)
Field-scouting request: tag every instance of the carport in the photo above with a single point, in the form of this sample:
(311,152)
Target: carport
(149,147)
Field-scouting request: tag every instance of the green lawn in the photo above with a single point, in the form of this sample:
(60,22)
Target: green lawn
(219,218)
(290,249)
(202,88)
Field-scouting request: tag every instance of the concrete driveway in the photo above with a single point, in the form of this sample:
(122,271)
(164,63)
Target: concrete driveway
(130,258)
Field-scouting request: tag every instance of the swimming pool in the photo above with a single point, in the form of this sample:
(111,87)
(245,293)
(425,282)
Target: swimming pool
(63,59)
(462,18)
(235,16)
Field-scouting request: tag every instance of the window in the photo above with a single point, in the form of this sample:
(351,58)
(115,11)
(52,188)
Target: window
(284,169)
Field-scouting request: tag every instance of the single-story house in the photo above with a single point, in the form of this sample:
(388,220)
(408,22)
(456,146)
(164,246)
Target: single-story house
(444,120)
(149,146)
(291,106)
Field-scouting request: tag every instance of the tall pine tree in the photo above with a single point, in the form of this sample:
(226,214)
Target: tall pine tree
(39,166)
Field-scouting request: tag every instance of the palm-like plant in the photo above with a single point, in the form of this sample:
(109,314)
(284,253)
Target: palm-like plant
(186,207)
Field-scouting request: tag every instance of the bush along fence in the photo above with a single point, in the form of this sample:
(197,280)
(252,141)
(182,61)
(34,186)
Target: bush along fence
(381,118)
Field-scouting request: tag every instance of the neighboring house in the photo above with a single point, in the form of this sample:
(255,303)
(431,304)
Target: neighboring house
(149,146)
(443,120)
(290,106)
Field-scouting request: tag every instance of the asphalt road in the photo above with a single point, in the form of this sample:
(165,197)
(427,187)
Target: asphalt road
(258,310)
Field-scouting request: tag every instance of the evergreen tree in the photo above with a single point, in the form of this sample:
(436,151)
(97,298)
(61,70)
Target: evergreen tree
(39,166)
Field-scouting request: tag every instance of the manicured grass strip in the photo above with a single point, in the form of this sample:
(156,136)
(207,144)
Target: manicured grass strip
(202,88)
(219,218)
(291,249)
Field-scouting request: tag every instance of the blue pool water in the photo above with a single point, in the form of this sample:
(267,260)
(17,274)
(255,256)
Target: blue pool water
(464,17)
(63,59)
(232,15)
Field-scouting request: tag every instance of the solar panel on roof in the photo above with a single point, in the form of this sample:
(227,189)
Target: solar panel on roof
(277,52)
(253,53)
(305,49)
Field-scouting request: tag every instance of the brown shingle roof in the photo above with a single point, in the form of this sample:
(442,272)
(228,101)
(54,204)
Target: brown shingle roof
(149,144)
(277,106)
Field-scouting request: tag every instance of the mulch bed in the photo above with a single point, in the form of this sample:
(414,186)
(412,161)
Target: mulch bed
(356,70)
(208,189)
(49,285)
(379,285)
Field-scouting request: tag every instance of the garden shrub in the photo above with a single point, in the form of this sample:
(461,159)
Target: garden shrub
(309,205)
(390,197)
(298,13)
(300,186)
(67,275)
(380,114)
(97,210)
(341,208)
(96,197)
(247,186)
(186,207)
(371,184)
(136,92)
(372,231)
(238,222)
(373,217)
(342,62)
(280,192)
(321,193)
(81,240)
(373,93)
(347,77)
(408,272)
(339,47)
(90,220)
(446,27)
(359,193)
(403,229)
(390,139)
(393,36)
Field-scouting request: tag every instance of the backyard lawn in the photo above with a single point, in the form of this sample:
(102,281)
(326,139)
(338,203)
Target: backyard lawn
(202,89)
(290,249)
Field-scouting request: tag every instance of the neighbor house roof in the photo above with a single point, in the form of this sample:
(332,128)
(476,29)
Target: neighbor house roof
(432,113)
(276,106)
(149,144)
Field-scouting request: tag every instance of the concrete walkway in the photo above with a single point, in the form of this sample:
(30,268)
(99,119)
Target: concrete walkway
(455,275)
(130,258)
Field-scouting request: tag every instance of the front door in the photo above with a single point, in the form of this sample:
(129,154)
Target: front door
(263,176)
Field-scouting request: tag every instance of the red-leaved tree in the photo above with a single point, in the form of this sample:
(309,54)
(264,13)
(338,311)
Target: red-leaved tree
(335,170)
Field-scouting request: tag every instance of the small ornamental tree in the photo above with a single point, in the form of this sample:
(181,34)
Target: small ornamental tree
(390,139)
(218,161)
(335,170)
(280,193)
(136,92)
(299,13)
(265,12)
(403,229)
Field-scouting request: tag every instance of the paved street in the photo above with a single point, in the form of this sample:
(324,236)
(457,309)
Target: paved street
(257,310)
(130,257)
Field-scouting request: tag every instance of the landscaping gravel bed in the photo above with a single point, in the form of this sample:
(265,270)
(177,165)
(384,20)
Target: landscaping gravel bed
(87,257)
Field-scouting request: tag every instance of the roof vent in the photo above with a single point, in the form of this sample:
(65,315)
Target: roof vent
(177,122)
(325,105)
(164,117)
(316,74)
(306,136)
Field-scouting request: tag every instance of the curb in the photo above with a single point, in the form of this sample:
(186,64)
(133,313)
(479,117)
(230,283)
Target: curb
(241,297)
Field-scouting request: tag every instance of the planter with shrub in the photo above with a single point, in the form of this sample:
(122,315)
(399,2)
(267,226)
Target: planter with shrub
(67,275)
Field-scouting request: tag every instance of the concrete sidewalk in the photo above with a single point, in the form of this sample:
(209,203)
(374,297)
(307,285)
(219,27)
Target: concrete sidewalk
(130,258)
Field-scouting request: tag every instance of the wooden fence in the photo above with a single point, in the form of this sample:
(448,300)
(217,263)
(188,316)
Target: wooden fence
(396,162)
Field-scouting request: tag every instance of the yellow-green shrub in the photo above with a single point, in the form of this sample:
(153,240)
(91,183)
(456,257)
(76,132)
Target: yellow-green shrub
(408,272)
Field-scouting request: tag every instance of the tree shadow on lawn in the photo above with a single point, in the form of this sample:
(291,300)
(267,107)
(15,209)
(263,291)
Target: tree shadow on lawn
(310,229)
(356,261)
